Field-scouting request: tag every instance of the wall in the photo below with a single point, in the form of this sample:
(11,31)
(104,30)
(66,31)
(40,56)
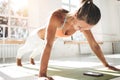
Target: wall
(109,20)
(109,23)
(40,10)
(34,13)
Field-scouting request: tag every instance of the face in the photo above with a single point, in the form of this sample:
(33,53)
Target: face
(81,25)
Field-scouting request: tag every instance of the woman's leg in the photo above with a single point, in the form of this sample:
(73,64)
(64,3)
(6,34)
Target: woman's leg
(37,51)
(27,47)
(31,43)
(22,51)
(33,55)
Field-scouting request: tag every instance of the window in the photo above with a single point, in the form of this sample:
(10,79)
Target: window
(70,5)
(13,19)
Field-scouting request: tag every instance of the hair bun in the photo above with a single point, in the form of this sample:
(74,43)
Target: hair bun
(88,1)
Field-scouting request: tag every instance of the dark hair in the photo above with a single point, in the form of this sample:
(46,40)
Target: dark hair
(89,12)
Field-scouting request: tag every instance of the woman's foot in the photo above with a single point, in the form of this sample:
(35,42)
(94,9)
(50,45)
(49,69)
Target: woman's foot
(18,61)
(32,61)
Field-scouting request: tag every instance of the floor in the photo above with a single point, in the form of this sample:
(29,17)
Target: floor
(68,68)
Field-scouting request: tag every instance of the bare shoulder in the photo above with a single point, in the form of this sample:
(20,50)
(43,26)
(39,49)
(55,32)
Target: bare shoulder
(58,16)
(60,12)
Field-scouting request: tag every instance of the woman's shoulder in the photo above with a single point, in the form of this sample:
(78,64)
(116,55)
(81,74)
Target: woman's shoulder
(57,17)
(60,13)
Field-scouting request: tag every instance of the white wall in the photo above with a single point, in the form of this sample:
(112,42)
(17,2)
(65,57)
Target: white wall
(39,11)
(34,13)
(115,18)
(109,23)
(110,19)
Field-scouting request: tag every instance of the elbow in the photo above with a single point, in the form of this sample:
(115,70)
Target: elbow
(49,44)
(95,47)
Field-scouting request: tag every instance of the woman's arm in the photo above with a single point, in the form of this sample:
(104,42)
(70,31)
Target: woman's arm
(50,36)
(96,49)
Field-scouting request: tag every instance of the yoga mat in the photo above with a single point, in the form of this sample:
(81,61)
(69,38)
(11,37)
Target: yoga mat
(67,73)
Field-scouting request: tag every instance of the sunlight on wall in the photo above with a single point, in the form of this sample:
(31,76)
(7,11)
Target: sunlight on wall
(19,4)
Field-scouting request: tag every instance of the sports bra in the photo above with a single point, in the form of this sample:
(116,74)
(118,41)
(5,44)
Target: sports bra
(59,32)
(62,24)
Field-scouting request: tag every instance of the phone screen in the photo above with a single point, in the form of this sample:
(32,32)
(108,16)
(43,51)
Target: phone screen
(96,74)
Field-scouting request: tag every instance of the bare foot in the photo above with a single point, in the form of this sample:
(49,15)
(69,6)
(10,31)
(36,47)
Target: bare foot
(32,61)
(18,61)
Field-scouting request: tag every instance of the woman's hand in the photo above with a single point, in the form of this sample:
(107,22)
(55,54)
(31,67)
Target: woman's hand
(112,68)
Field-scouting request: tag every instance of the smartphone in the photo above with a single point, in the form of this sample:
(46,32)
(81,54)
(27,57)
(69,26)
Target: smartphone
(95,74)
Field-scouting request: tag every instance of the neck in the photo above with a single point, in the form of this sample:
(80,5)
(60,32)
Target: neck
(69,19)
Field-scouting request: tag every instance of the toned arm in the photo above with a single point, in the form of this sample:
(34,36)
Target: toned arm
(97,50)
(50,36)
(94,46)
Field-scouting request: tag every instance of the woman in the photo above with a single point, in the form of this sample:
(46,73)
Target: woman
(63,24)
